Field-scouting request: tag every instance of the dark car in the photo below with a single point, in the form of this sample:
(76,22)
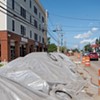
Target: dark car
(93,56)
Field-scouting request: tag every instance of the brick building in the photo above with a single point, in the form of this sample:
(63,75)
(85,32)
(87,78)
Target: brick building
(22,28)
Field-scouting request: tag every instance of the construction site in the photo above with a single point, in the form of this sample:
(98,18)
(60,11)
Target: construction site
(49,76)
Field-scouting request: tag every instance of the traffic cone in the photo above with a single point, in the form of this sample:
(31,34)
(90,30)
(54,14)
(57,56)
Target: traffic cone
(87,61)
(83,60)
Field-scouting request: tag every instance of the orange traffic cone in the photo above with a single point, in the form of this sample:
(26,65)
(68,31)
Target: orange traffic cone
(83,60)
(87,61)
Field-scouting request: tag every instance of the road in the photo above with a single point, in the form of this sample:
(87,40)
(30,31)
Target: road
(96,64)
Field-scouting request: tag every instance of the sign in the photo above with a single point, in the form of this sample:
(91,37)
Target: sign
(24,40)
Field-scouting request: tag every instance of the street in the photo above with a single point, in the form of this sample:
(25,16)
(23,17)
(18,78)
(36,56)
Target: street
(96,64)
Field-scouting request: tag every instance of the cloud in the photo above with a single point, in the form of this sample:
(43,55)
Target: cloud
(85,41)
(84,35)
(94,29)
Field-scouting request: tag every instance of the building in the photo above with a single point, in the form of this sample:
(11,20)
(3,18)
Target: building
(23,25)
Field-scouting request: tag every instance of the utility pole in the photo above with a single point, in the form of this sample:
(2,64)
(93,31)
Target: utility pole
(58,30)
(62,41)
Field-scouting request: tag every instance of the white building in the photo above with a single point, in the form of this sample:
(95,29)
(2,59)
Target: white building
(22,28)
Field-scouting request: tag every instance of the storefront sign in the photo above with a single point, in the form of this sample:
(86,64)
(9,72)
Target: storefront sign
(24,40)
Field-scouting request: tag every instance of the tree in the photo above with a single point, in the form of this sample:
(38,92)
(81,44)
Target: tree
(97,41)
(88,48)
(52,47)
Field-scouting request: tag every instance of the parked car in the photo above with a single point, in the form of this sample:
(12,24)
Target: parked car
(98,54)
(85,53)
(93,56)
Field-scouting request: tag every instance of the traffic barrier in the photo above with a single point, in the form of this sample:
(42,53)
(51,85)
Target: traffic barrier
(99,82)
(87,61)
(83,60)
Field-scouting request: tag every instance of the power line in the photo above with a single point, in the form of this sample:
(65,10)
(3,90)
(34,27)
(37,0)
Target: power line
(74,18)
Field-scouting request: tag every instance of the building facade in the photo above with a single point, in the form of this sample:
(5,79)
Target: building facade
(23,25)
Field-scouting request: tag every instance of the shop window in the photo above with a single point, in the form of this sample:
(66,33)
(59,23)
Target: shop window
(12,48)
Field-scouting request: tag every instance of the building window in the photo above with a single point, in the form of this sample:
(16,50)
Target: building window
(23,12)
(36,37)
(39,38)
(35,24)
(42,40)
(23,30)
(39,27)
(13,25)
(30,34)
(35,10)
(13,4)
(39,15)
(30,3)
(30,19)
(42,19)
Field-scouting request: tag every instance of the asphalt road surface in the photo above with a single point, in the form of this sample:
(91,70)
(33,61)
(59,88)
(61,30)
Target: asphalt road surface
(95,64)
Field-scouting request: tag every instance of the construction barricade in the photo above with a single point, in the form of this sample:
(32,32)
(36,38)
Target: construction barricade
(87,61)
(83,60)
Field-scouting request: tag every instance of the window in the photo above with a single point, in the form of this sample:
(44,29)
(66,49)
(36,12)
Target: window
(13,25)
(39,27)
(35,10)
(42,40)
(36,37)
(39,38)
(24,0)
(35,24)
(22,12)
(39,15)
(30,19)
(12,48)
(13,4)
(30,3)
(42,19)
(30,34)
(23,30)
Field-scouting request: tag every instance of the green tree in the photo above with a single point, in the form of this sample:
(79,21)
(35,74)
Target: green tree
(97,41)
(52,47)
(88,48)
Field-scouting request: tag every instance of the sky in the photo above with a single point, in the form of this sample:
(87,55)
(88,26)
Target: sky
(79,21)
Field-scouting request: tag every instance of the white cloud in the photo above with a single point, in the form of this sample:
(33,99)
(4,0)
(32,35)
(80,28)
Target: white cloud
(84,35)
(85,41)
(87,34)
(75,46)
(94,29)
